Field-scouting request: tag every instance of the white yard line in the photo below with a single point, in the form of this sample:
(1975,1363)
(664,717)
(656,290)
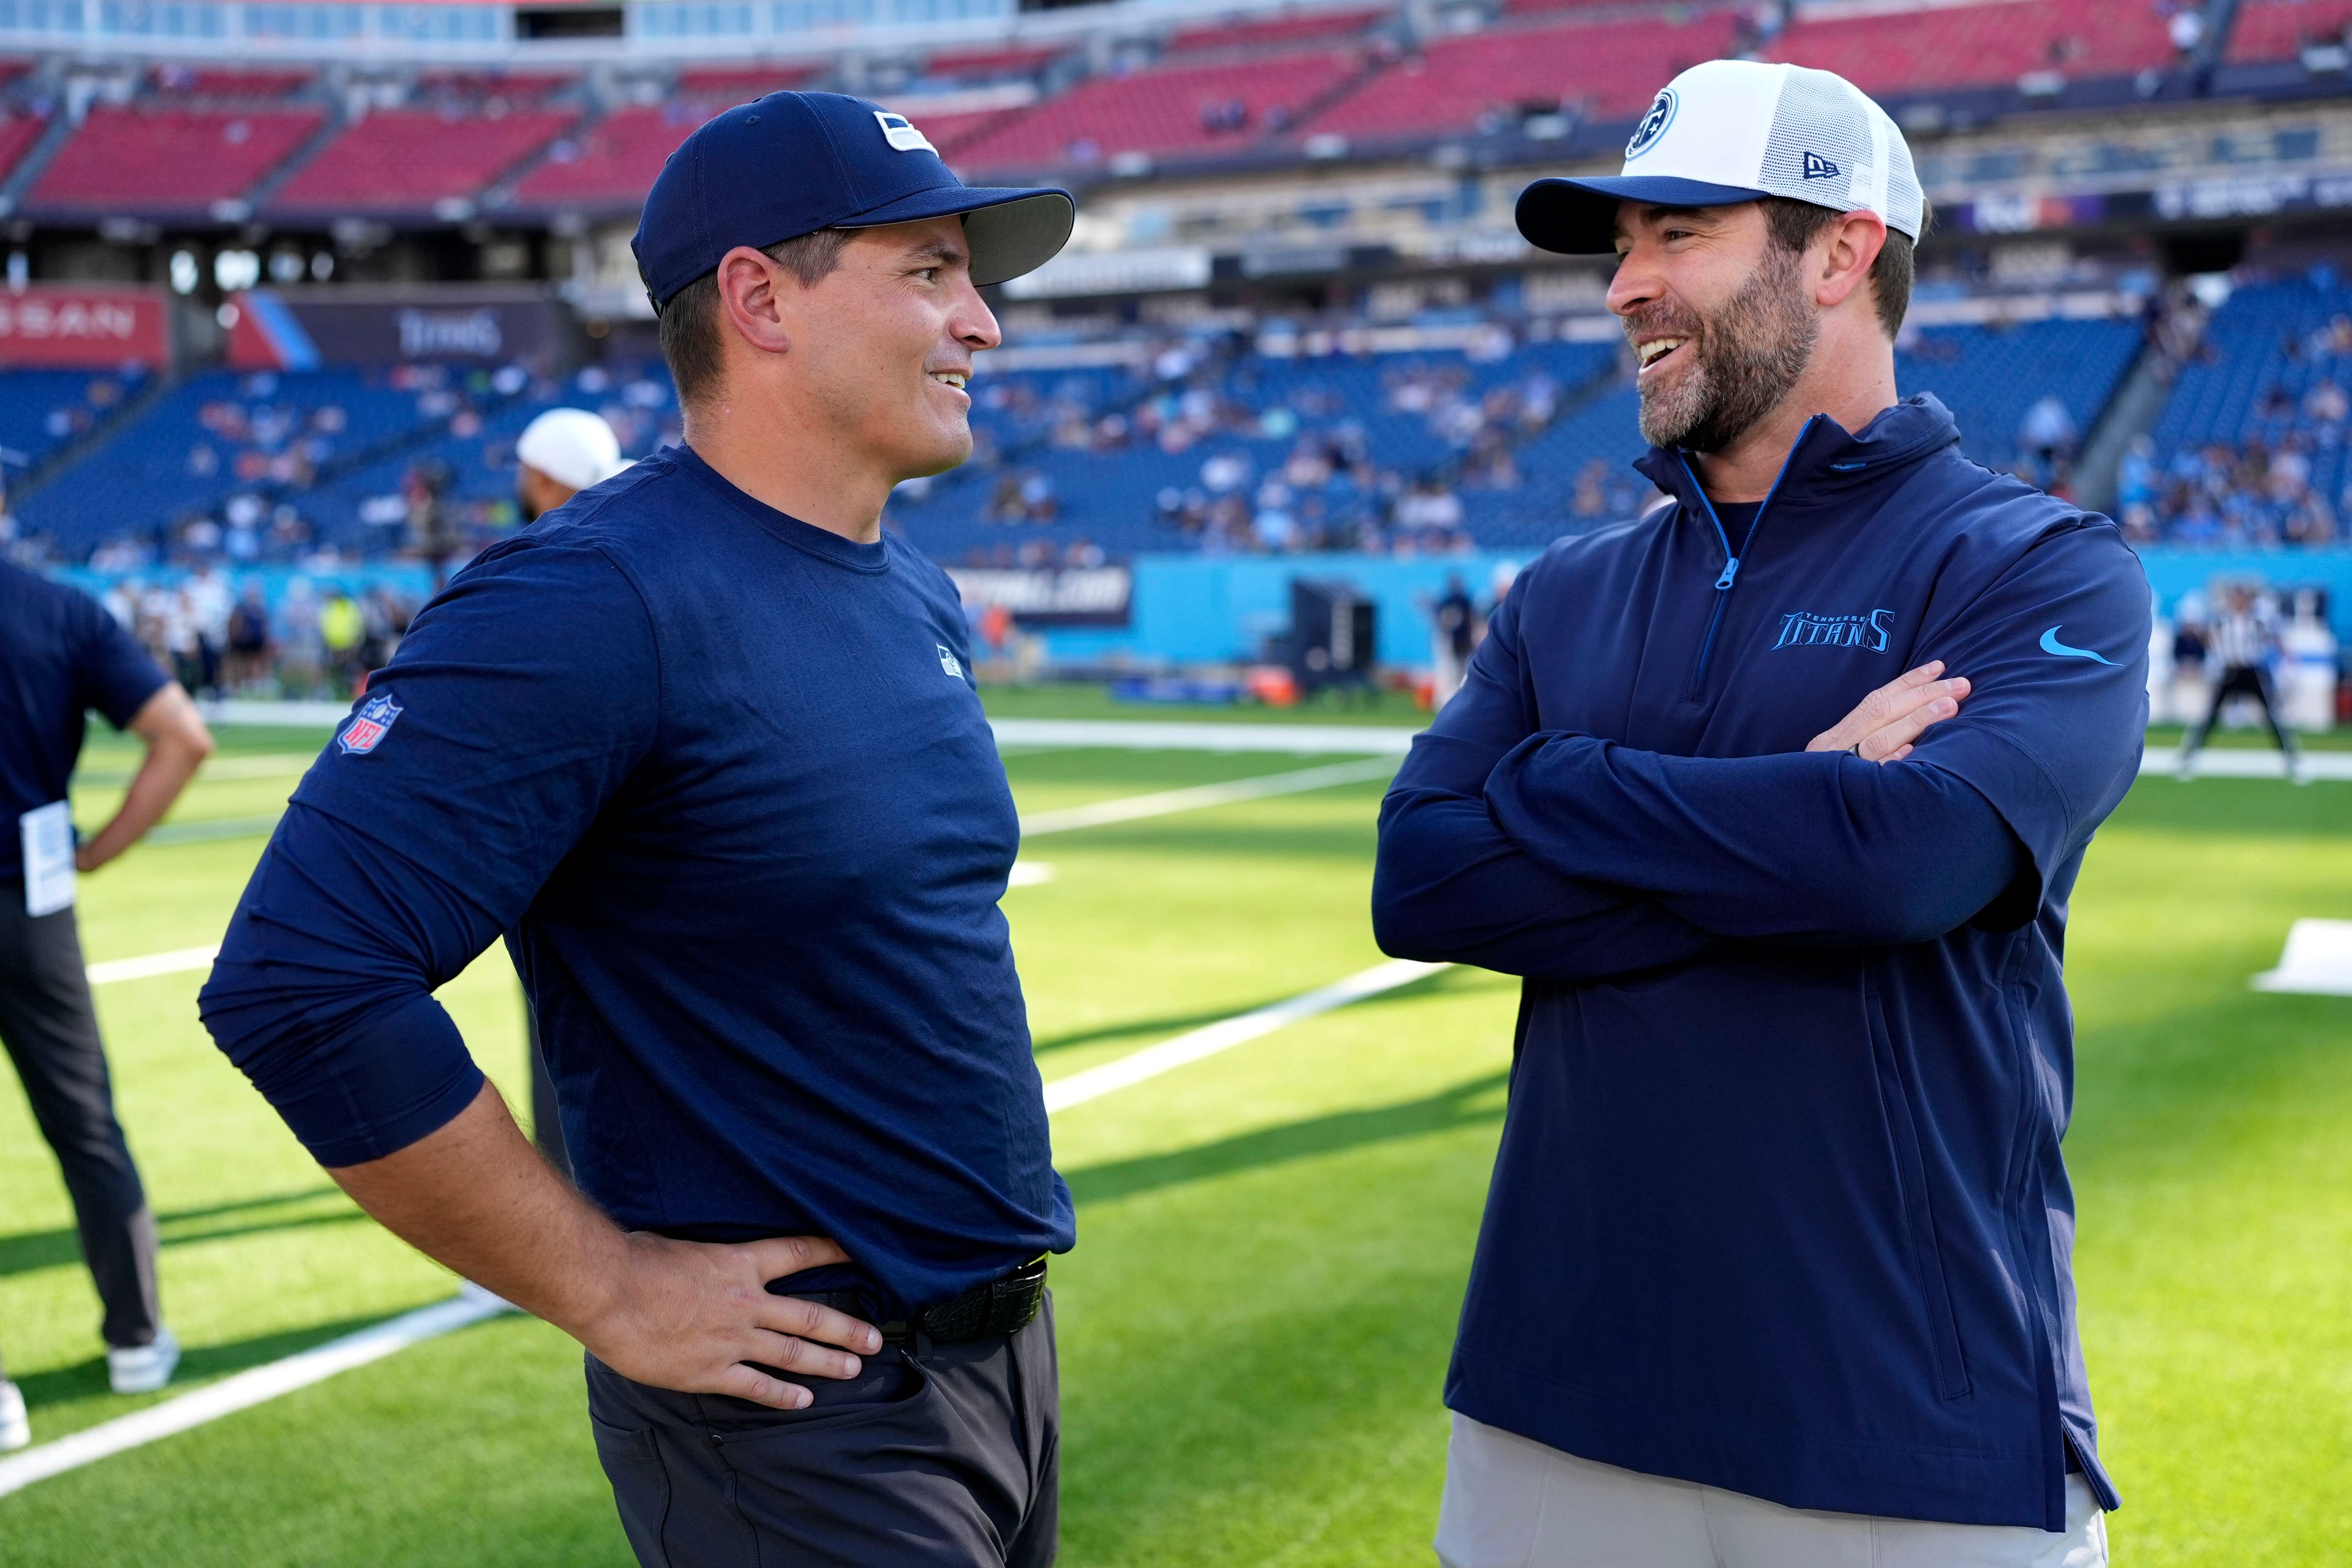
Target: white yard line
(246,1389)
(263,1384)
(2336,767)
(1149,1063)
(1129,808)
(177,961)
(1193,735)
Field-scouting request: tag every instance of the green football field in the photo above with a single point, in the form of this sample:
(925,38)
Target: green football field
(1273,1241)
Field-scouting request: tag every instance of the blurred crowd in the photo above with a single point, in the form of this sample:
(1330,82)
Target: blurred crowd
(225,639)
(1289,461)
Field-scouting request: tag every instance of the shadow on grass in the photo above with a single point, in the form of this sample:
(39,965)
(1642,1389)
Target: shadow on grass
(1462,1105)
(197,1362)
(35,1250)
(1178,1023)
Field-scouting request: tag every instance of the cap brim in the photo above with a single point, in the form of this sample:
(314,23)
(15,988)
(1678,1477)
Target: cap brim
(1011,230)
(1579,218)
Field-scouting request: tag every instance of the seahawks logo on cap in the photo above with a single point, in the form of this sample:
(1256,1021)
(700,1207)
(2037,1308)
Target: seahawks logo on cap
(901,134)
(1653,124)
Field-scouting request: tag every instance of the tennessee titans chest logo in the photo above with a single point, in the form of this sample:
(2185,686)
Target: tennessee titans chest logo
(1653,124)
(370,725)
(1802,629)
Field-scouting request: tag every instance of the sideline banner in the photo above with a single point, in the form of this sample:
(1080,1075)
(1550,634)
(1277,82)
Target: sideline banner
(302,329)
(83,326)
(1050,597)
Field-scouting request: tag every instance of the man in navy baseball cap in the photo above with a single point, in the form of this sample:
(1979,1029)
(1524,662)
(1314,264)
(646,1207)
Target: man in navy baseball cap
(702,745)
(795,162)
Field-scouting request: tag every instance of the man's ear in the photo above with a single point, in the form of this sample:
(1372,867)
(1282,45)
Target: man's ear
(1846,251)
(750,300)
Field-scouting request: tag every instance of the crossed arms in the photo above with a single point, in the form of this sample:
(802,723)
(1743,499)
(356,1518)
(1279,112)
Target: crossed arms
(1561,857)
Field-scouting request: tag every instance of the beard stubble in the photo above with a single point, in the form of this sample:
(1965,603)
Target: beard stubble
(1750,350)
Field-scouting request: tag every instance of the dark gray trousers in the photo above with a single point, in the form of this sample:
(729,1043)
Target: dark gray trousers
(933,1457)
(50,1030)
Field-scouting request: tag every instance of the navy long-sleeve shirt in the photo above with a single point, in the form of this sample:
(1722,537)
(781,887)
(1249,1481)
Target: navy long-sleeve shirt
(1779,1205)
(721,781)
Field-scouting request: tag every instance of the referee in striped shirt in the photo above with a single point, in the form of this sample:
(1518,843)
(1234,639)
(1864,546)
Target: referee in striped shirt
(2243,640)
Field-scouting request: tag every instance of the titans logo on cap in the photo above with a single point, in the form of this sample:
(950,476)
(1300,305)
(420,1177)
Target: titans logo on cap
(1653,124)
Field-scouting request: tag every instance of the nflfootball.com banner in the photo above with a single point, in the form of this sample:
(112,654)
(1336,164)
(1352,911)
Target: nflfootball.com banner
(1050,597)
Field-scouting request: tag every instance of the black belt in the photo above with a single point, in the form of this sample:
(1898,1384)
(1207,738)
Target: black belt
(1003,1305)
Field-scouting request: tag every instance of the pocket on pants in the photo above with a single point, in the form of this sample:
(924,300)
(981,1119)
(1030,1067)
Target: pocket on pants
(641,1489)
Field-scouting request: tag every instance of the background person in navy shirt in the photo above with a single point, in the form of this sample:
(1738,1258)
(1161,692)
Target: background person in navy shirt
(60,655)
(1775,1268)
(702,745)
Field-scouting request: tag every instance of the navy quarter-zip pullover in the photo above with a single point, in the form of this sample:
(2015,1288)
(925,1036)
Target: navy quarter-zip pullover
(722,781)
(1779,1205)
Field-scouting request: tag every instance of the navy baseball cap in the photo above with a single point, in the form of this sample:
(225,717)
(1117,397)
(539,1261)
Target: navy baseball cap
(794,162)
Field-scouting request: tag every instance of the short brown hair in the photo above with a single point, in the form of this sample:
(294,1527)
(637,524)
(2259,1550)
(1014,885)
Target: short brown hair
(689,319)
(1796,225)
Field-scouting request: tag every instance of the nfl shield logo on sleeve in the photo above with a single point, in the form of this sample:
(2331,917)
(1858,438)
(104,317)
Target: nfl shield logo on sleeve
(949,662)
(370,725)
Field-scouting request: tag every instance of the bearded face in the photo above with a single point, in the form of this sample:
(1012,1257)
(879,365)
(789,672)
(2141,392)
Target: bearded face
(1735,362)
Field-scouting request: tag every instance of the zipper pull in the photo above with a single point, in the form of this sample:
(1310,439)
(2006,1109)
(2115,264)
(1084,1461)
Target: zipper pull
(1730,570)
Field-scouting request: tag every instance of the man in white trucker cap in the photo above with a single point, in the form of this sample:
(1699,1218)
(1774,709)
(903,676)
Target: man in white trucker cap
(560,454)
(1775,798)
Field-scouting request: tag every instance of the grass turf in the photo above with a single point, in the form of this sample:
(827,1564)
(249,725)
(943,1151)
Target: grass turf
(1273,1242)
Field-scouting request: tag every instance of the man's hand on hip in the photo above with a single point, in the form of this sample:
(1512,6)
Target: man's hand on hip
(684,1315)
(689,1316)
(1883,725)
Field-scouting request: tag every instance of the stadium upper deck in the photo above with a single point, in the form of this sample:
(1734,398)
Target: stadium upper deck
(371,126)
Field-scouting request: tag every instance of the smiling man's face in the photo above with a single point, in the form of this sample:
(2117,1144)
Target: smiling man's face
(889,338)
(1718,314)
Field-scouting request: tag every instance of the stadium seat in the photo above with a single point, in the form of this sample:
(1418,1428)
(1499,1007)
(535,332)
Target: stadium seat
(978,66)
(611,162)
(41,410)
(1966,46)
(735,84)
(137,159)
(254,84)
(1279,32)
(2279,29)
(1609,70)
(410,160)
(19,133)
(1168,111)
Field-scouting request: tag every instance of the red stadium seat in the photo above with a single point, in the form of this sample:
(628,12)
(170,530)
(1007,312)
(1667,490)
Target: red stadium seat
(736,84)
(407,160)
(2278,29)
(611,164)
(1279,31)
(982,65)
(515,87)
(1611,68)
(17,134)
(209,82)
(177,160)
(1971,45)
(1166,109)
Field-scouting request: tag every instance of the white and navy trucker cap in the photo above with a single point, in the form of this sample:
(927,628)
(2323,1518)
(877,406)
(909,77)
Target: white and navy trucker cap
(1737,131)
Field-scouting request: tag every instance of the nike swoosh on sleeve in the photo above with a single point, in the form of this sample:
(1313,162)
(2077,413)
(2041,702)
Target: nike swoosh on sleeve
(2049,644)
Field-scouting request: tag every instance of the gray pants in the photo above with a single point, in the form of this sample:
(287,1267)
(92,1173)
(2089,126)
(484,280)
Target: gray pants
(934,1456)
(51,1032)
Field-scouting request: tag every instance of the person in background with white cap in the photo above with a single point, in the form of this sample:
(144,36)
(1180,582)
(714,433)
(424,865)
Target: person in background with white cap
(703,746)
(560,454)
(1775,798)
